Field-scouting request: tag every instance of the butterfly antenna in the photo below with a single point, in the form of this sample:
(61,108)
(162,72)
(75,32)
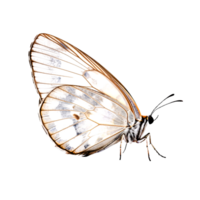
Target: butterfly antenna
(165,101)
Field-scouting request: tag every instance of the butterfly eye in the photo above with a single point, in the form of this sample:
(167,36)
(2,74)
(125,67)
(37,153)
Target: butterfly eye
(150,119)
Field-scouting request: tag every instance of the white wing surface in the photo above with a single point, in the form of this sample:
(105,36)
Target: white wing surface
(83,121)
(55,63)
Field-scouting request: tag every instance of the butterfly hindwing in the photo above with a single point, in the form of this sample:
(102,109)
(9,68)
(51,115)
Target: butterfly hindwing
(81,120)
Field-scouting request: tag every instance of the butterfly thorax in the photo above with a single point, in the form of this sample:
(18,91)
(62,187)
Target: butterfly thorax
(135,133)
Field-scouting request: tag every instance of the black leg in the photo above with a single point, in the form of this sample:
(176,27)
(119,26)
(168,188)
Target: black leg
(150,145)
(120,150)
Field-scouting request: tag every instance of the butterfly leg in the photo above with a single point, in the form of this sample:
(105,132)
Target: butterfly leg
(147,149)
(120,150)
(148,145)
(121,146)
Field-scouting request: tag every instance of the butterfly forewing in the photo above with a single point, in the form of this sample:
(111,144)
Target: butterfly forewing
(55,63)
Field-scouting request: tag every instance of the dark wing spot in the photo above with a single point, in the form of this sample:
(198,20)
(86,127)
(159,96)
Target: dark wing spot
(68,148)
(86,75)
(76,127)
(56,79)
(76,116)
(86,146)
(55,62)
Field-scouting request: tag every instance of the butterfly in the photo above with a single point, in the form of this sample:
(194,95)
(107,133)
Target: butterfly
(83,107)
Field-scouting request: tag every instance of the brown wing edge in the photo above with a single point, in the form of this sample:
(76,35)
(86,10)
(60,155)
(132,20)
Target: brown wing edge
(31,75)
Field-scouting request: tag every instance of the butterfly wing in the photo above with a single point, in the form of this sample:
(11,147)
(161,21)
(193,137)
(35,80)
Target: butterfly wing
(55,63)
(83,121)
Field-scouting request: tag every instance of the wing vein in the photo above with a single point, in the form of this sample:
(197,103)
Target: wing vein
(56,68)
(56,58)
(75,96)
(68,127)
(51,74)
(101,104)
(67,102)
(102,140)
(88,139)
(80,134)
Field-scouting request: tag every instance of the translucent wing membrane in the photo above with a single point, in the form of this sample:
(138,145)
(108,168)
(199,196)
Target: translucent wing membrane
(83,121)
(55,63)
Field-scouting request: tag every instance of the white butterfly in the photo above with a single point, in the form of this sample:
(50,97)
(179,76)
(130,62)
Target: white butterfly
(84,108)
